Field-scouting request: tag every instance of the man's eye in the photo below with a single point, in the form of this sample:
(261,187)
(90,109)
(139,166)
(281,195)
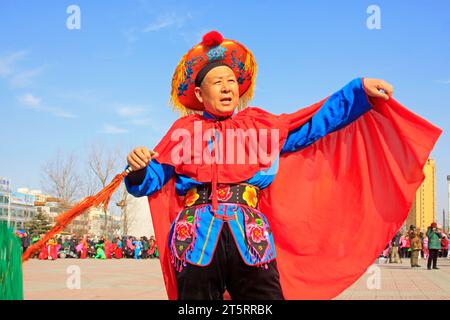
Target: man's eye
(231,80)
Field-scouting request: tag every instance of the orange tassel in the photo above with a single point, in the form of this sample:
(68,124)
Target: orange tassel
(62,220)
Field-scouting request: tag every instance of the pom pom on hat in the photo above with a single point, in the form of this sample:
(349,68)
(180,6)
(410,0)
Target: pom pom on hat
(212,38)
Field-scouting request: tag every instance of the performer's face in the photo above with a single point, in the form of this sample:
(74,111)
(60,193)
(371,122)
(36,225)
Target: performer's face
(219,91)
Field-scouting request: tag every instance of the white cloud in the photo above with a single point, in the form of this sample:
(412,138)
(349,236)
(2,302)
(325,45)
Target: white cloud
(7,63)
(25,78)
(157,125)
(142,122)
(130,35)
(161,22)
(138,115)
(443,81)
(130,111)
(61,113)
(30,101)
(167,20)
(17,77)
(194,36)
(84,96)
(110,129)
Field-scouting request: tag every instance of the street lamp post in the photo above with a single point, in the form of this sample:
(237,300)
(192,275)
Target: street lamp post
(9,209)
(448,208)
(123,205)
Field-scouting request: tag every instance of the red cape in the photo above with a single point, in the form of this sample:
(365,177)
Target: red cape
(333,205)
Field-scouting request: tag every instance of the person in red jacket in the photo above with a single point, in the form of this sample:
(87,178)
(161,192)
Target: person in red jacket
(118,253)
(83,246)
(444,244)
(43,255)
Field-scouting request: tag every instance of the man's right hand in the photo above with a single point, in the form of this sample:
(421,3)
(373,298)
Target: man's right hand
(140,157)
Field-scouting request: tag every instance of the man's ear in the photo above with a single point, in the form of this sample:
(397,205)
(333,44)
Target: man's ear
(198,94)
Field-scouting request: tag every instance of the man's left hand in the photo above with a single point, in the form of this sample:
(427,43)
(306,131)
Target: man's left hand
(378,88)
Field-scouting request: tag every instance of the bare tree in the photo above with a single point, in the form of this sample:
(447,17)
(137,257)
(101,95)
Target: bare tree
(126,216)
(59,178)
(103,165)
(90,184)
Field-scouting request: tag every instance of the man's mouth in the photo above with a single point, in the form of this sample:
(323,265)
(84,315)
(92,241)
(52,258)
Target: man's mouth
(226,100)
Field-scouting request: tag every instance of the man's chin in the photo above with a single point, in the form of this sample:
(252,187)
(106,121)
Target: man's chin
(224,112)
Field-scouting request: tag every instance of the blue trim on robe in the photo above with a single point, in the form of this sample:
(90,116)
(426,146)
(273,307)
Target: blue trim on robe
(339,110)
(156,177)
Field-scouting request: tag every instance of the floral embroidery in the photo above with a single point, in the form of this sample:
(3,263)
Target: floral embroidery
(256,232)
(191,197)
(182,88)
(184,236)
(252,225)
(189,71)
(183,230)
(216,53)
(239,66)
(224,192)
(250,196)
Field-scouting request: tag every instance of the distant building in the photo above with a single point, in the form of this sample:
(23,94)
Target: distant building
(96,223)
(5,195)
(52,207)
(448,208)
(91,222)
(139,218)
(17,207)
(423,211)
(22,205)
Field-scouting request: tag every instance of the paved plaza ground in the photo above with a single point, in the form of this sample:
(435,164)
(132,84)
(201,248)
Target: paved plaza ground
(142,279)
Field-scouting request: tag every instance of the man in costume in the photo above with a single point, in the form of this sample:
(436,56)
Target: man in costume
(239,199)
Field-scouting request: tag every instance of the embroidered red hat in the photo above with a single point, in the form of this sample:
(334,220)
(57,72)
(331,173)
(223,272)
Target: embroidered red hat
(213,49)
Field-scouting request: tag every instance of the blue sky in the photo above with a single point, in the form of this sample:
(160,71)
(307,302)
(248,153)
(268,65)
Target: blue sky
(109,82)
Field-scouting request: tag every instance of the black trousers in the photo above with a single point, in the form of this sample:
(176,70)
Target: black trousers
(227,271)
(432,257)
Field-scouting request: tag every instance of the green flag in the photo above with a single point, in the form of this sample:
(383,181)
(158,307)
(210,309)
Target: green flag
(11,281)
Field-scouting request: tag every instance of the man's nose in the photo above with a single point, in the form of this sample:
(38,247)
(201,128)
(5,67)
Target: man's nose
(226,87)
